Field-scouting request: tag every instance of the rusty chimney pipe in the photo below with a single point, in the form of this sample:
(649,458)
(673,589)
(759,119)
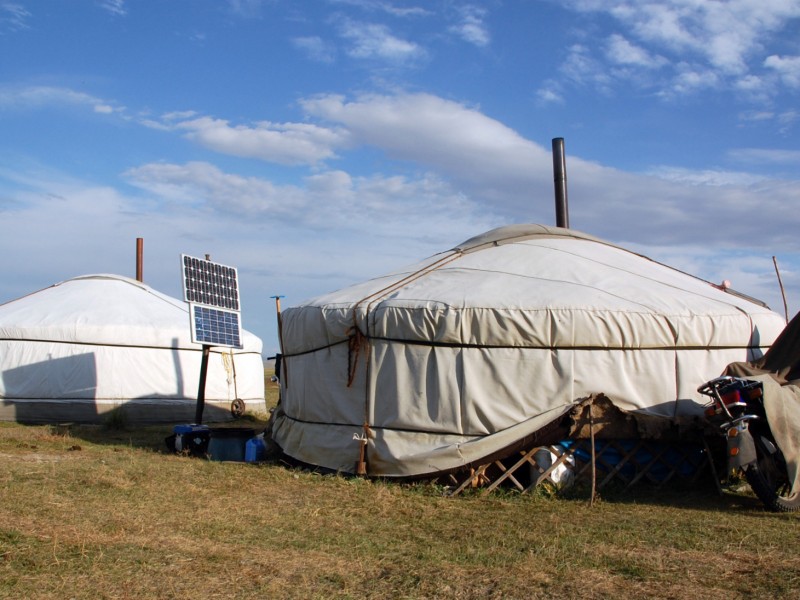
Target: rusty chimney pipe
(139,258)
(560,181)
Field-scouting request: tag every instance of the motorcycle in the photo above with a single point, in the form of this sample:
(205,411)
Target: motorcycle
(737,408)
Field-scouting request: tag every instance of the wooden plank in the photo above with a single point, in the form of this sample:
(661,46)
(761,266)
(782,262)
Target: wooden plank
(507,474)
(474,476)
(545,474)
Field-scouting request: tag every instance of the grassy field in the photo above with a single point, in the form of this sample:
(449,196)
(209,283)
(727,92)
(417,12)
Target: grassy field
(90,512)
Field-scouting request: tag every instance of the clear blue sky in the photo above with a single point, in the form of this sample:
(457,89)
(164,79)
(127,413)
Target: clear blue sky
(317,143)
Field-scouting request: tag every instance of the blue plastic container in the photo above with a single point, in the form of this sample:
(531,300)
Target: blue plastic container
(191,438)
(229,443)
(255,449)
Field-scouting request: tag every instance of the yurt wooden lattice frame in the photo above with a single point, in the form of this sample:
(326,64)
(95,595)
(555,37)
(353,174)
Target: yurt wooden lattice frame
(619,462)
(600,462)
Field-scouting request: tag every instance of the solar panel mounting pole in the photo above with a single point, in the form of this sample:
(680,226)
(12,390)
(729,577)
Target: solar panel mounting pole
(201,391)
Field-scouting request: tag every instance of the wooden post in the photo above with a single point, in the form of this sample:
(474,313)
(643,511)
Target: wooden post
(284,370)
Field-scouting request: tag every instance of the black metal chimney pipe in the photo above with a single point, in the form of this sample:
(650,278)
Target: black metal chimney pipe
(560,180)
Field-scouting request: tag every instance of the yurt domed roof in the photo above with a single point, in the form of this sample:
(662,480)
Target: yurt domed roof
(539,286)
(103,309)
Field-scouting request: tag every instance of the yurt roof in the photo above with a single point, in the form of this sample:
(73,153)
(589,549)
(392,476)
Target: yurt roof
(533,285)
(103,309)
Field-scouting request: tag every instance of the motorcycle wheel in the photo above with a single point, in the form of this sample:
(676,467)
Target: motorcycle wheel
(768,479)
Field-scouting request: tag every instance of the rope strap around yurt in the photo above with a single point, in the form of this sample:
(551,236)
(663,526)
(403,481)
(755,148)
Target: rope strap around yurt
(356,341)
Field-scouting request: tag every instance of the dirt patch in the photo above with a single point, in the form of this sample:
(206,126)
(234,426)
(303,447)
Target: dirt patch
(39,457)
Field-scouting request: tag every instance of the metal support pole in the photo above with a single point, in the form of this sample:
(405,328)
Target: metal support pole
(201,390)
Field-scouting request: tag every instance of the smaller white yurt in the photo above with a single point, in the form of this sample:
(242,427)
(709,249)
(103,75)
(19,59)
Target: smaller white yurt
(80,348)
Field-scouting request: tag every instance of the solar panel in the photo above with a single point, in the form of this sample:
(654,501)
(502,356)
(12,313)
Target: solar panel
(210,283)
(215,327)
(212,291)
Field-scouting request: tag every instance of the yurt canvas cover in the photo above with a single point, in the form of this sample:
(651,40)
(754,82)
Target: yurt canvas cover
(469,351)
(82,347)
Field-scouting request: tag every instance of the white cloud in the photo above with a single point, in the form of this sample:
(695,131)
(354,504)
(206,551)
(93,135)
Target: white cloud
(458,141)
(512,177)
(115,7)
(13,16)
(47,97)
(386,7)
(783,120)
(375,41)
(26,97)
(199,183)
(479,161)
(757,115)
(316,48)
(283,143)
(751,83)
(550,93)
(787,67)
(787,119)
(245,8)
(471,26)
(51,213)
(706,177)
(621,51)
(689,79)
(387,206)
(179,115)
(727,39)
(766,156)
(582,67)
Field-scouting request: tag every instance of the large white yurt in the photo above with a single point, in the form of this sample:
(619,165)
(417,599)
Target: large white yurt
(82,347)
(460,356)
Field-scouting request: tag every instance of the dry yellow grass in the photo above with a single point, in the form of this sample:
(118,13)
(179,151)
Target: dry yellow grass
(90,513)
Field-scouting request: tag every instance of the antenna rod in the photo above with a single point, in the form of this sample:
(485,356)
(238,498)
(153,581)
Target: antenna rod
(783,292)
(560,181)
